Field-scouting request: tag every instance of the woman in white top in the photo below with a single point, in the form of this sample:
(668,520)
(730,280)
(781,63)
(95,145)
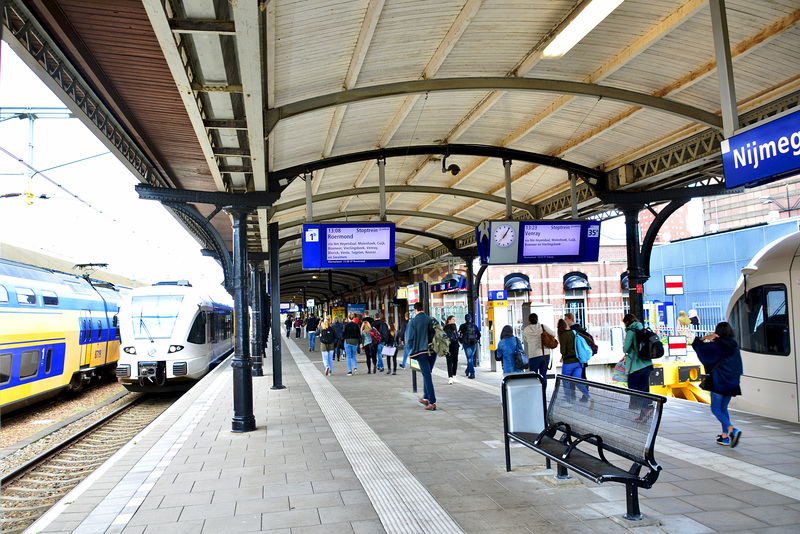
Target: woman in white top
(538,355)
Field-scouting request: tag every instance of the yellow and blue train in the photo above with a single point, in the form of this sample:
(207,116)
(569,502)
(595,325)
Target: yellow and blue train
(58,331)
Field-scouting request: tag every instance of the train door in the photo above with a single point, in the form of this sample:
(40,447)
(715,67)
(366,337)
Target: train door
(85,338)
(794,319)
(100,340)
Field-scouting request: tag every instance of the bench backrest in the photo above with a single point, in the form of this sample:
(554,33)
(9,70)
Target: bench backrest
(524,403)
(615,415)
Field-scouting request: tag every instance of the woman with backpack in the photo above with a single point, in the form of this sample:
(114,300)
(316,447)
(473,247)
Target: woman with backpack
(352,338)
(370,350)
(327,338)
(508,345)
(452,356)
(638,370)
(538,354)
(570,365)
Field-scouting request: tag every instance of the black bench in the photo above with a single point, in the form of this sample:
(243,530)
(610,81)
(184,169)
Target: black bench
(578,433)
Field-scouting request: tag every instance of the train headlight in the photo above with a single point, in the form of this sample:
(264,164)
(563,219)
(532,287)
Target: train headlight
(129,350)
(175,348)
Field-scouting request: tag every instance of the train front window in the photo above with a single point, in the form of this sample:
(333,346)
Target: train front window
(762,321)
(154,316)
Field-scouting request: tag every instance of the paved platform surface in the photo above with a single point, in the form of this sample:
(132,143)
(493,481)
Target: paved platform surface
(359,454)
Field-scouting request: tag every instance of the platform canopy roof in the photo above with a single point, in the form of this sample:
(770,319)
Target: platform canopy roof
(260,96)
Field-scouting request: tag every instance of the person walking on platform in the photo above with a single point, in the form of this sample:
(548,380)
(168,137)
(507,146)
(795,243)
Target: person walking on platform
(370,350)
(470,335)
(288,322)
(383,330)
(638,370)
(452,356)
(327,338)
(390,349)
(508,345)
(352,338)
(538,354)
(683,319)
(419,335)
(570,320)
(311,329)
(694,319)
(720,356)
(338,328)
(401,340)
(570,366)
(298,324)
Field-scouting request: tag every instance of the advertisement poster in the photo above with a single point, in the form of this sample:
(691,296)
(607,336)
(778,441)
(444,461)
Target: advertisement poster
(339,311)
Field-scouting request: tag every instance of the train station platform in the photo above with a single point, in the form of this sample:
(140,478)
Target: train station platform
(359,454)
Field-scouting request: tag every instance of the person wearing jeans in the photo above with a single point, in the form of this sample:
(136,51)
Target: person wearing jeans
(570,366)
(418,340)
(469,335)
(352,338)
(401,340)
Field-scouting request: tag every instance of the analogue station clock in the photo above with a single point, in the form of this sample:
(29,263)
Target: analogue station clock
(503,235)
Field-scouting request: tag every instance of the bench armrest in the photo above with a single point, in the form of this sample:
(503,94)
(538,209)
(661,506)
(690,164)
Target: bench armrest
(579,440)
(550,430)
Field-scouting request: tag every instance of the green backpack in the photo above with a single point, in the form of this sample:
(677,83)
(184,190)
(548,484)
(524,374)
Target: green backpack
(440,344)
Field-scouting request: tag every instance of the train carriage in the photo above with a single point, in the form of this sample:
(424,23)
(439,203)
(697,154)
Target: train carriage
(172,334)
(765,319)
(57,332)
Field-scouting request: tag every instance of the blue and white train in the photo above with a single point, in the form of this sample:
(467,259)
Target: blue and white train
(58,331)
(766,319)
(172,334)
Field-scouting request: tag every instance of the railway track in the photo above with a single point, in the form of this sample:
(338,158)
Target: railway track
(31,489)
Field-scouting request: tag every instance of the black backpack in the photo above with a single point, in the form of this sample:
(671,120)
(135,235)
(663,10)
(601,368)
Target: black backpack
(383,330)
(470,335)
(648,344)
(327,336)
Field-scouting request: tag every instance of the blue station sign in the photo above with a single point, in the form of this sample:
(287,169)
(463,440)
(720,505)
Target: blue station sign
(764,153)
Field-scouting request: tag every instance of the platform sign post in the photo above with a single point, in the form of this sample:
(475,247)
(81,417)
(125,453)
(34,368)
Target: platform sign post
(498,318)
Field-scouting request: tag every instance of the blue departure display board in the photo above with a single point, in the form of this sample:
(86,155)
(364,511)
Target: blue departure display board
(348,245)
(515,242)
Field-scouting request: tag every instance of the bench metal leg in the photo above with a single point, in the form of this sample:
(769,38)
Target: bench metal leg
(547,463)
(508,454)
(632,497)
(561,472)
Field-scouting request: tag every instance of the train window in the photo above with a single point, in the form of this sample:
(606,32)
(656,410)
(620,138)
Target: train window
(28,364)
(5,368)
(26,297)
(197,334)
(116,326)
(3,295)
(48,361)
(50,298)
(99,330)
(762,322)
(154,316)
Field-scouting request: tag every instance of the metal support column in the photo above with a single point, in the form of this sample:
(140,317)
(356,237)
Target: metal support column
(635,269)
(243,418)
(382,187)
(573,192)
(275,304)
(256,301)
(722,51)
(266,316)
(309,193)
(507,165)
(470,286)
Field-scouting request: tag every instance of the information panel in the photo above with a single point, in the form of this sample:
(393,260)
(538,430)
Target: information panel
(514,242)
(348,245)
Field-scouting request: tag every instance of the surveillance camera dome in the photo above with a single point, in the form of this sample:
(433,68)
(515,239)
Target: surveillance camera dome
(454,169)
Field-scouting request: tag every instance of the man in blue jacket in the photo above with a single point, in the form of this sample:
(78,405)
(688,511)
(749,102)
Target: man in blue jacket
(417,340)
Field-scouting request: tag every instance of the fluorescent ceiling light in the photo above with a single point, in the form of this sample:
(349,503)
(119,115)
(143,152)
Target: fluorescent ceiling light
(587,19)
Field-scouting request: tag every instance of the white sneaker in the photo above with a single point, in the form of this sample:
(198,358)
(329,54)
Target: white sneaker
(450,381)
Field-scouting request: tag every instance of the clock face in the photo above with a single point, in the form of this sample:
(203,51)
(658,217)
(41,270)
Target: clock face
(503,235)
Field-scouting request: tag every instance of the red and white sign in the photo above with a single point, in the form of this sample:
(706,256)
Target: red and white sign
(677,345)
(673,285)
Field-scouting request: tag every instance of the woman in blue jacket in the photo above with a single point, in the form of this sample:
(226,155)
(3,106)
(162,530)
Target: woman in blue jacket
(506,348)
(719,354)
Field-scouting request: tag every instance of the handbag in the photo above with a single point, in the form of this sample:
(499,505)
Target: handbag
(520,358)
(707,383)
(389,351)
(548,341)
